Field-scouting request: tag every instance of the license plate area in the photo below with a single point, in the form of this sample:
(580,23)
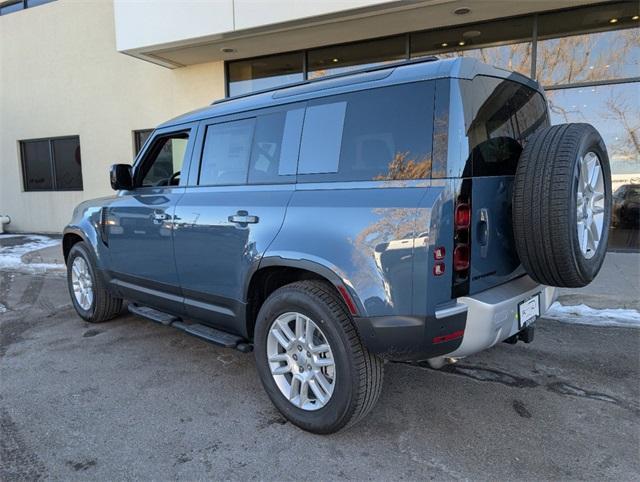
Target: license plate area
(528,311)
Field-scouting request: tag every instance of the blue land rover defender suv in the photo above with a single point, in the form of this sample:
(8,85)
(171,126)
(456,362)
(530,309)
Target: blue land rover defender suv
(416,211)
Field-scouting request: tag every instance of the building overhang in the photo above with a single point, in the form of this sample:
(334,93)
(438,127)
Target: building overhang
(176,33)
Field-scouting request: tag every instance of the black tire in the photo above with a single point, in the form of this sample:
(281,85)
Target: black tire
(104,305)
(358,375)
(545,205)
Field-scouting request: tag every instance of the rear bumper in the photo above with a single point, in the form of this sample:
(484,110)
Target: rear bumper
(492,316)
(486,318)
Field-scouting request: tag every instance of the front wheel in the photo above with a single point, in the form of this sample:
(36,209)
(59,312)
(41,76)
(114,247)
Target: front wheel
(311,361)
(89,296)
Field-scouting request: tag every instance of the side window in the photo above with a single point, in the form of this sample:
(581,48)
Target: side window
(276,142)
(163,163)
(322,137)
(378,134)
(226,152)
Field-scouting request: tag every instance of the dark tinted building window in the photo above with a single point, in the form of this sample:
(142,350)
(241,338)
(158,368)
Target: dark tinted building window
(378,134)
(276,142)
(52,164)
(226,152)
(342,58)
(264,72)
(66,158)
(139,138)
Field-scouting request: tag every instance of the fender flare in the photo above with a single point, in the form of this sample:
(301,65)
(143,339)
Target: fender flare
(326,271)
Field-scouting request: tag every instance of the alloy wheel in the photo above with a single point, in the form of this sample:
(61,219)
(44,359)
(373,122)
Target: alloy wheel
(301,361)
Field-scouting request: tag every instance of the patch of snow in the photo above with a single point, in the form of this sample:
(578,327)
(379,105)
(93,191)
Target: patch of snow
(585,315)
(3,309)
(11,256)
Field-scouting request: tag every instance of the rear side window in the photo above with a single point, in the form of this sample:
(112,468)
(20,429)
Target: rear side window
(276,142)
(226,153)
(378,134)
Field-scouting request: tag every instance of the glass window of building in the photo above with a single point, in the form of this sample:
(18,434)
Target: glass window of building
(246,76)
(51,164)
(139,138)
(503,43)
(594,44)
(342,58)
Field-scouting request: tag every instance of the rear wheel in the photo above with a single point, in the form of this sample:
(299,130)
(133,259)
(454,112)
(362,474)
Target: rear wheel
(89,296)
(562,205)
(311,361)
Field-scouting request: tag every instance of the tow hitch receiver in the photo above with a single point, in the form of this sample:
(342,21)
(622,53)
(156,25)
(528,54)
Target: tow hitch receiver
(525,335)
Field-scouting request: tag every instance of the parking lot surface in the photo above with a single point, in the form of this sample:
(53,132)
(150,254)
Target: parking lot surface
(132,399)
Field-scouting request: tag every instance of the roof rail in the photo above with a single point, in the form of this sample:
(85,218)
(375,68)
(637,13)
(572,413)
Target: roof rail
(374,68)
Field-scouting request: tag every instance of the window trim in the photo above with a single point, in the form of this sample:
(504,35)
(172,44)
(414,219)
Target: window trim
(52,164)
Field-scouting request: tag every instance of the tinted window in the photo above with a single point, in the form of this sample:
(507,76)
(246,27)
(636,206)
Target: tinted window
(500,116)
(36,159)
(342,58)
(164,161)
(139,138)
(66,156)
(275,146)
(264,72)
(52,164)
(386,134)
(322,137)
(225,156)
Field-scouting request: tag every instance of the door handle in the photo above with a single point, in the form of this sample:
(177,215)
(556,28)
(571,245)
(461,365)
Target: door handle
(243,218)
(484,232)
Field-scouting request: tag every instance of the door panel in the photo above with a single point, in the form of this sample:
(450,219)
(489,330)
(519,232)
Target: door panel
(220,236)
(494,259)
(139,223)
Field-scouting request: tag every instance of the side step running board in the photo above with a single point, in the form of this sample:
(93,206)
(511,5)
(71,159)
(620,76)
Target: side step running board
(153,315)
(217,337)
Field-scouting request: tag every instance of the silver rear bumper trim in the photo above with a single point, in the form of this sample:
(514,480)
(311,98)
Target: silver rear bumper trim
(453,310)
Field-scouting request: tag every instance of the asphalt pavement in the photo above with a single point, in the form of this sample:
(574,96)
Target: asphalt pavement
(130,399)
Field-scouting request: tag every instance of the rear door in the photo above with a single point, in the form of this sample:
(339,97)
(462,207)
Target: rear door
(225,221)
(503,114)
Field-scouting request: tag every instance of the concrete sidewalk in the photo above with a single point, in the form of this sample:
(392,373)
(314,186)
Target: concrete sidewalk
(616,286)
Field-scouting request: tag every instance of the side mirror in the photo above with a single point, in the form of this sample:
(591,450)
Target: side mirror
(121,177)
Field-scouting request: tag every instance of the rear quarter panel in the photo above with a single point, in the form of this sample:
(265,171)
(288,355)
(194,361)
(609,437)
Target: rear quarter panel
(368,234)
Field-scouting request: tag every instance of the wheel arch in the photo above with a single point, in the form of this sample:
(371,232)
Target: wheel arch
(69,239)
(275,272)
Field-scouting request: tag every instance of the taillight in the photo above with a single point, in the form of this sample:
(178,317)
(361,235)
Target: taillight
(438,269)
(439,253)
(463,215)
(461,257)
(462,241)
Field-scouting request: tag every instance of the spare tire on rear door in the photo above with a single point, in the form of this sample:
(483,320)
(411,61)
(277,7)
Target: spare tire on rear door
(562,205)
